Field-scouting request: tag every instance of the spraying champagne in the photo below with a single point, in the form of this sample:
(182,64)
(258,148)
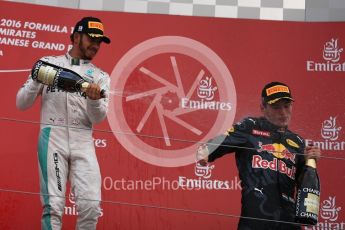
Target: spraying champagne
(53,75)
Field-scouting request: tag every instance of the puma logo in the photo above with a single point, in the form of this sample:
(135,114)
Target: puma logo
(259,190)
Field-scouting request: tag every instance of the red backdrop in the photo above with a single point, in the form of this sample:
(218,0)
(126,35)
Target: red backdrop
(176,82)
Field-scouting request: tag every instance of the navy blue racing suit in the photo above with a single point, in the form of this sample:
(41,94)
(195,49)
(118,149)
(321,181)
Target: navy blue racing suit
(268,168)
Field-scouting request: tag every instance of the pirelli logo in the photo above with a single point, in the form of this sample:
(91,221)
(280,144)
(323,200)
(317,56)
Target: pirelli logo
(277,89)
(95,25)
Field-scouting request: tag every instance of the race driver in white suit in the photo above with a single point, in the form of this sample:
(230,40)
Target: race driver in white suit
(66,150)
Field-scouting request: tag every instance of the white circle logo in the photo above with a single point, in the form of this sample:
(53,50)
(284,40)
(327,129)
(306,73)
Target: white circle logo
(172,93)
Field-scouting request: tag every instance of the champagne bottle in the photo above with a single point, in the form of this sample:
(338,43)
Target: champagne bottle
(65,79)
(308,195)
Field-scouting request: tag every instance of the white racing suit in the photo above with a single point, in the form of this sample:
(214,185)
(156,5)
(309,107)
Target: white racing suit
(66,150)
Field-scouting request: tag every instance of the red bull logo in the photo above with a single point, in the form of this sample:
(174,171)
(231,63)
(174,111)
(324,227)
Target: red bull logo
(277,150)
(275,165)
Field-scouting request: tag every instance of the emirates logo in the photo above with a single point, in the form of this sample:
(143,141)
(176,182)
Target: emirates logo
(331,57)
(331,51)
(329,129)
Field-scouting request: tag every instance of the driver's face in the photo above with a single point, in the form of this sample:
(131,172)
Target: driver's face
(88,46)
(278,113)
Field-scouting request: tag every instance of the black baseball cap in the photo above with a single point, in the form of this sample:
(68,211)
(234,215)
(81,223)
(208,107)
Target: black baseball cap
(275,91)
(93,27)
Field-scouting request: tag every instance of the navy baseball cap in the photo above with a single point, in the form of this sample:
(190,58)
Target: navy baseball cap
(275,91)
(93,27)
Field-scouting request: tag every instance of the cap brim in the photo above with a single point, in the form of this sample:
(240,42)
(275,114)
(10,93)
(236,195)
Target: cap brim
(106,39)
(279,98)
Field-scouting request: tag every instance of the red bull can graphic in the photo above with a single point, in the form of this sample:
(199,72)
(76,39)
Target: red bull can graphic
(279,152)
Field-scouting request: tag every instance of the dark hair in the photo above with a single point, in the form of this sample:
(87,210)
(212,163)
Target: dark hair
(72,36)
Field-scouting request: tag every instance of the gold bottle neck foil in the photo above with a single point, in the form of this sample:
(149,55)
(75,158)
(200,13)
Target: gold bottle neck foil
(311,163)
(84,86)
